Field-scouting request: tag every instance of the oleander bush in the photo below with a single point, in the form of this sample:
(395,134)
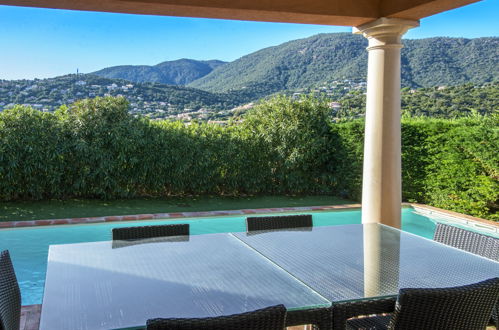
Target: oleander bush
(32,153)
(296,143)
(95,149)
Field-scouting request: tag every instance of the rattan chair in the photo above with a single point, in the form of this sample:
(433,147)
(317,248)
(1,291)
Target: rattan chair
(130,233)
(10,295)
(483,245)
(271,318)
(278,222)
(459,308)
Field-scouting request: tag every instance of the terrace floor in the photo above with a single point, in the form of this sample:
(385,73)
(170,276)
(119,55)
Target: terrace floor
(30,317)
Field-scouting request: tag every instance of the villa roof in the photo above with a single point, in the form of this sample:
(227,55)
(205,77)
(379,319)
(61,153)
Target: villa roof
(327,12)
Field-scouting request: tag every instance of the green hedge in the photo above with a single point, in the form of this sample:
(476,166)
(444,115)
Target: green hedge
(447,163)
(95,149)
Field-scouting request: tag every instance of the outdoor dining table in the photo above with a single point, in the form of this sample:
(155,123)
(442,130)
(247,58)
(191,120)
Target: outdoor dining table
(117,285)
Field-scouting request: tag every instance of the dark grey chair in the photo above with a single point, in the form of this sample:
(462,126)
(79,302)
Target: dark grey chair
(278,222)
(459,308)
(271,318)
(483,245)
(142,232)
(10,295)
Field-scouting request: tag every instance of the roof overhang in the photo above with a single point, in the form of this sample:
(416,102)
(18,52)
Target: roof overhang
(327,12)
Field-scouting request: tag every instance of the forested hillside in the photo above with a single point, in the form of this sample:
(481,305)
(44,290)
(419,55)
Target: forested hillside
(347,100)
(436,102)
(179,72)
(152,99)
(443,77)
(324,58)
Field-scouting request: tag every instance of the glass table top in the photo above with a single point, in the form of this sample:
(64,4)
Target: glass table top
(120,284)
(106,285)
(355,262)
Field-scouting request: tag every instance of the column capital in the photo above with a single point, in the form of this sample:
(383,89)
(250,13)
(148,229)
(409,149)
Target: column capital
(385,31)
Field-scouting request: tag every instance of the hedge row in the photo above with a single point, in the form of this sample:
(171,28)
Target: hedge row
(448,163)
(95,149)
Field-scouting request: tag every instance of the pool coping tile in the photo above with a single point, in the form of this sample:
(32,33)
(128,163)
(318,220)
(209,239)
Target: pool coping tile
(179,215)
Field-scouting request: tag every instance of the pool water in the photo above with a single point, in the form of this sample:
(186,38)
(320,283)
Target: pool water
(29,246)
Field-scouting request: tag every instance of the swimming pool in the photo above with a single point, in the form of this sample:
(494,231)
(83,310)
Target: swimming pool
(29,246)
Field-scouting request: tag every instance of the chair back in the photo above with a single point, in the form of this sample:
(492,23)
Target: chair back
(483,245)
(459,308)
(141,232)
(279,222)
(270,318)
(10,295)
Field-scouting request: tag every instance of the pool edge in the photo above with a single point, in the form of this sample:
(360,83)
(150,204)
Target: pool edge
(478,222)
(172,215)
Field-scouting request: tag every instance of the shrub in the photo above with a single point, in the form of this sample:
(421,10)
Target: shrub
(32,155)
(296,141)
(96,149)
(463,171)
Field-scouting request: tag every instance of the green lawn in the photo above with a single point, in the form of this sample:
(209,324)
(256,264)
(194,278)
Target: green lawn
(55,209)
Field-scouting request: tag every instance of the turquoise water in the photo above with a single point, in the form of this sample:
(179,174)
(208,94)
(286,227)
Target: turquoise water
(29,246)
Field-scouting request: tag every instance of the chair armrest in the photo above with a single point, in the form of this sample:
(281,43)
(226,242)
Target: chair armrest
(343,311)
(495,315)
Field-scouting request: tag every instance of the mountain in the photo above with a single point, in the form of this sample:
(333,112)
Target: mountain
(319,61)
(324,58)
(332,64)
(179,72)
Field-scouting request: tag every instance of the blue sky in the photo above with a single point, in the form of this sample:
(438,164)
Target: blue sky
(41,43)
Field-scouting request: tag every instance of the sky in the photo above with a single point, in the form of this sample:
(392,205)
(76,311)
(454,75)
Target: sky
(42,43)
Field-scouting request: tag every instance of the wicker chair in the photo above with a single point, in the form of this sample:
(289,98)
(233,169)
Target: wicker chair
(459,308)
(485,246)
(128,233)
(278,222)
(271,318)
(10,295)
(482,245)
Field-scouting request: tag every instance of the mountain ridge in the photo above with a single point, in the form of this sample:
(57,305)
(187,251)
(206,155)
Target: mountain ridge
(310,61)
(331,64)
(177,72)
(320,59)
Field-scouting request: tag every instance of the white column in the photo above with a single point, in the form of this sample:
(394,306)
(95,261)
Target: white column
(382,183)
